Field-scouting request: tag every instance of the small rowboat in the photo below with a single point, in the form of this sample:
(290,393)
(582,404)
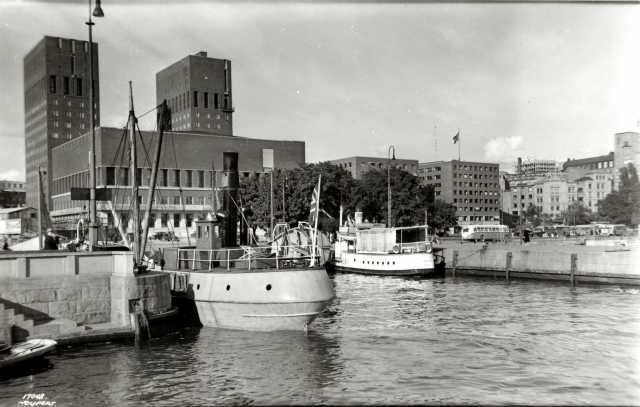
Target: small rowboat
(25,351)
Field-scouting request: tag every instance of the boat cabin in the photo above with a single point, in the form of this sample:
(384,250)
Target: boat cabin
(412,239)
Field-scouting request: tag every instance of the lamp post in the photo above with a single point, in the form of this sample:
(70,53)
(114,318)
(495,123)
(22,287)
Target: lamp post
(391,150)
(93,226)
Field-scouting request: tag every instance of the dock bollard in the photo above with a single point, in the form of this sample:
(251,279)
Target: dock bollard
(507,268)
(574,268)
(455,262)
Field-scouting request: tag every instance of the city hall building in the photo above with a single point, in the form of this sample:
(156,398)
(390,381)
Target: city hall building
(186,169)
(199,96)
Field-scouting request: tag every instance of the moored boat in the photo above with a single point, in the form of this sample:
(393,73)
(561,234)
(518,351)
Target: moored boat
(278,286)
(24,352)
(393,251)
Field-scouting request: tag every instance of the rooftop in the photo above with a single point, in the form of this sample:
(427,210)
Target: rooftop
(586,161)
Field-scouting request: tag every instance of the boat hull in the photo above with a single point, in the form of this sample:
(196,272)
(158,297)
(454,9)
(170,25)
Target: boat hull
(269,300)
(382,264)
(27,351)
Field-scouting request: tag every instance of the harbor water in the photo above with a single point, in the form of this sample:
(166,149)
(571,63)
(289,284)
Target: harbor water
(383,340)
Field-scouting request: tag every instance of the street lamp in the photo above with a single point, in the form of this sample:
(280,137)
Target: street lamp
(392,150)
(93,226)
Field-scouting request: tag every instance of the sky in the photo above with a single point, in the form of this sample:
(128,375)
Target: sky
(542,81)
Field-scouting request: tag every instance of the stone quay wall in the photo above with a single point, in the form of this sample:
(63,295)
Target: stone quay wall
(86,288)
(559,261)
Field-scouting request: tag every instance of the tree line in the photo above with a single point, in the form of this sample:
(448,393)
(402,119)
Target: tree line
(292,191)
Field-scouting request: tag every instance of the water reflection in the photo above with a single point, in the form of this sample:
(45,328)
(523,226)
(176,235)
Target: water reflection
(226,366)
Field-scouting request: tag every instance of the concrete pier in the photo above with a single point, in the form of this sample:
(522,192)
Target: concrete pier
(546,260)
(62,294)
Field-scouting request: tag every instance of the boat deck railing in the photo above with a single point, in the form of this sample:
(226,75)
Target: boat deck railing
(250,257)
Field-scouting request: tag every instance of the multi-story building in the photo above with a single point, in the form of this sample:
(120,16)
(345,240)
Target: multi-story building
(553,193)
(550,194)
(358,165)
(627,151)
(11,186)
(198,91)
(472,187)
(535,167)
(185,176)
(579,168)
(56,103)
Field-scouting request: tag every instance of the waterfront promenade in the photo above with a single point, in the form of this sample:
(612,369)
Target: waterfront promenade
(609,261)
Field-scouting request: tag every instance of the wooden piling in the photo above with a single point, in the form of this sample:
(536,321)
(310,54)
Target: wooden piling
(574,268)
(455,262)
(507,267)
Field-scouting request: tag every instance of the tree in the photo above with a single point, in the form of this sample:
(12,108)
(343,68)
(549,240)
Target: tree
(409,200)
(298,185)
(623,206)
(533,215)
(576,214)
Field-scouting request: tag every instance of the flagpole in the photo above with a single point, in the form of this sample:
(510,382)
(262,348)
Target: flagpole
(435,140)
(459,142)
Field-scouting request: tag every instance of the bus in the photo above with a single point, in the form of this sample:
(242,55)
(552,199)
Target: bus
(484,232)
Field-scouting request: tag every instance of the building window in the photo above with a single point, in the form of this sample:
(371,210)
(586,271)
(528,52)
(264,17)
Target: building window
(78,86)
(65,85)
(206,100)
(176,200)
(189,220)
(188,200)
(189,175)
(176,220)
(52,84)
(216,101)
(139,176)
(176,178)
(195,98)
(164,218)
(164,175)
(200,179)
(111,176)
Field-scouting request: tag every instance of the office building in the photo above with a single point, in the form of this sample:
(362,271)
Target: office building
(358,165)
(56,104)
(472,187)
(198,91)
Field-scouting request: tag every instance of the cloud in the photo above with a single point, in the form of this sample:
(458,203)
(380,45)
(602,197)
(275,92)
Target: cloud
(503,149)
(12,175)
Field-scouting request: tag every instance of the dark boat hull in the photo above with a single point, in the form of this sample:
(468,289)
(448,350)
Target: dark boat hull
(437,271)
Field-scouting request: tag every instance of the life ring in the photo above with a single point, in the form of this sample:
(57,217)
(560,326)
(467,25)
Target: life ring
(396,249)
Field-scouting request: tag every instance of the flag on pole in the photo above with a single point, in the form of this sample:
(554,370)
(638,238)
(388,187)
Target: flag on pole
(456,138)
(314,212)
(315,203)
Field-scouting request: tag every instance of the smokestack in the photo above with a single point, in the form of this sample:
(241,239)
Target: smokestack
(229,186)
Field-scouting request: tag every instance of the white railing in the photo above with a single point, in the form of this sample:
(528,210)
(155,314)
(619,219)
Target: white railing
(247,257)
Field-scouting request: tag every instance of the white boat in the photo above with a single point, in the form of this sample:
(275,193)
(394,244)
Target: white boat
(26,351)
(279,286)
(394,251)
(253,288)
(261,300)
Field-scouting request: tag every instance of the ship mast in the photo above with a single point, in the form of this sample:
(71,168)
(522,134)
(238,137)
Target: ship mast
(162,125)
(131,123)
